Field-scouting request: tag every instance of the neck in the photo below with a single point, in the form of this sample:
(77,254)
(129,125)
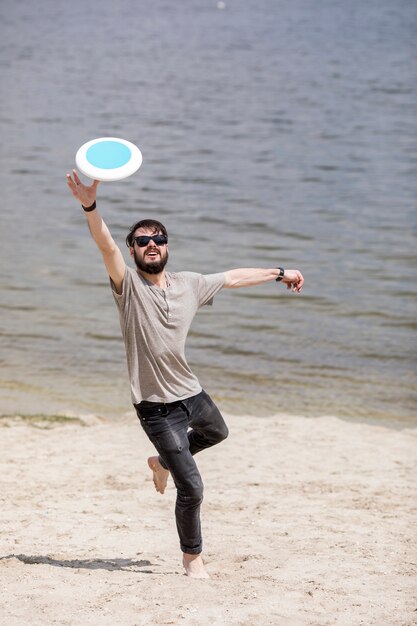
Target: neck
(159,280)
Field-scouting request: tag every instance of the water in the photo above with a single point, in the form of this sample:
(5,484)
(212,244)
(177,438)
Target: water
(273,133)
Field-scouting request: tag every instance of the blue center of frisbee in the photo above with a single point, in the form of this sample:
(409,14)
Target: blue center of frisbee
(108,154)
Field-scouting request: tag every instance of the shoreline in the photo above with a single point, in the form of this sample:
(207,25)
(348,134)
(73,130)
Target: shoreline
(113,400)
(306,521)
(90,418)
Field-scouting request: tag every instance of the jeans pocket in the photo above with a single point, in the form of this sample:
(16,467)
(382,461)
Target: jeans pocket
(154,420)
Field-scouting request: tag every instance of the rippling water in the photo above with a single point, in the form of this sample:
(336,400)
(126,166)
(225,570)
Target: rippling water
(272,133)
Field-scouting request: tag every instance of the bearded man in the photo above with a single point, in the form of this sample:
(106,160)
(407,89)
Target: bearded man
(156,308)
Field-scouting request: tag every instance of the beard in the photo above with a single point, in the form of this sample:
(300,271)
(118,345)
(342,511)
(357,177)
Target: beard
(151,267)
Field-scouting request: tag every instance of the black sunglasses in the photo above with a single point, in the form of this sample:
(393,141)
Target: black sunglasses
(143,240)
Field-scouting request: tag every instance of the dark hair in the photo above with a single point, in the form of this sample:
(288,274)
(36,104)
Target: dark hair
(154,224)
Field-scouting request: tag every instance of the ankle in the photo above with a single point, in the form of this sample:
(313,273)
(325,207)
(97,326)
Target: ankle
(191,557)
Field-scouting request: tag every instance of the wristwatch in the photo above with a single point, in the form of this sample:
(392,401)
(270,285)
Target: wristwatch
(281,274)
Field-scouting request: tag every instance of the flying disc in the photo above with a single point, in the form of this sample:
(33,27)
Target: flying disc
(108,158)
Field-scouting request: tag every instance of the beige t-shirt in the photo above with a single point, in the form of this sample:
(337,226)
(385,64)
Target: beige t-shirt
(155,323)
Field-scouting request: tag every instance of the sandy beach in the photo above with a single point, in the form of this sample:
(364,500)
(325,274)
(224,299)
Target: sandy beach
(306,521)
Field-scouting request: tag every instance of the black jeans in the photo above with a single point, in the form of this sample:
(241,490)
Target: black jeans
(167,426)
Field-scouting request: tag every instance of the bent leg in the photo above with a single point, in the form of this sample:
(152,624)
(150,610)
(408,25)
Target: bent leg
(207,424)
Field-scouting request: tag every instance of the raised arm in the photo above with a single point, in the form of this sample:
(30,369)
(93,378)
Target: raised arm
(113,258)
(251,276)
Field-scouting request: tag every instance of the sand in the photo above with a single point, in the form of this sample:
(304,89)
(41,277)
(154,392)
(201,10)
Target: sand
(306,521)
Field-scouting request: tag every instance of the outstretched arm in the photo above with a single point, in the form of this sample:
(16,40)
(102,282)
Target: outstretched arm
(113,258)
(249,277)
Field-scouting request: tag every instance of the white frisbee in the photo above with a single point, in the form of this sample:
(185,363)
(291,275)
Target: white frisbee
(108,158)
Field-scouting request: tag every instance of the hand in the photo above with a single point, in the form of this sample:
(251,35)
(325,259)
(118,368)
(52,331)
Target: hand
(84,193)
(293,279)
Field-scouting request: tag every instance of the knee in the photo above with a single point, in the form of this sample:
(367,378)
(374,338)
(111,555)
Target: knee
(225,432)
(219,434)
(195,497)
(192,493)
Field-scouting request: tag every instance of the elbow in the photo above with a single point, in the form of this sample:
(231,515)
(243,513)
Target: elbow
(229,283)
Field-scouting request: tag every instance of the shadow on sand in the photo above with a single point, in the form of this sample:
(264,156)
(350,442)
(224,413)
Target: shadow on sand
(127,565)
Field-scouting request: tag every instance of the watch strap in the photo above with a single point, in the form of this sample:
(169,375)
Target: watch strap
(280,275)
(87,209)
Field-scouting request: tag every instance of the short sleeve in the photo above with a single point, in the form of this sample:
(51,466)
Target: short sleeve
(208,286)
(122,299)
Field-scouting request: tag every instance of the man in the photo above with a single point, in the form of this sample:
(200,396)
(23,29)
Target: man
(156,309)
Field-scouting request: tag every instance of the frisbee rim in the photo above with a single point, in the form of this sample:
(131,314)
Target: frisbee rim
(108,174)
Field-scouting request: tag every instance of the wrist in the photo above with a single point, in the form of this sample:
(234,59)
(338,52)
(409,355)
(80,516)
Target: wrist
(87,209)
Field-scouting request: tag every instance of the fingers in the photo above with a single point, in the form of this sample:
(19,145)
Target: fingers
(76,178)
(71,184)
(300,282)
(295,280)
(297,284)
(78,181)
(294,287)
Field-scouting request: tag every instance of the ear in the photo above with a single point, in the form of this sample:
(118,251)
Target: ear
(131,251)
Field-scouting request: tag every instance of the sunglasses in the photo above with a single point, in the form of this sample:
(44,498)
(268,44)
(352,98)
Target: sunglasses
(143,240)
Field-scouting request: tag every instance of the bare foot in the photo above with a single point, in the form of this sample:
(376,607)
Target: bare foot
(194,566)
(160,474)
